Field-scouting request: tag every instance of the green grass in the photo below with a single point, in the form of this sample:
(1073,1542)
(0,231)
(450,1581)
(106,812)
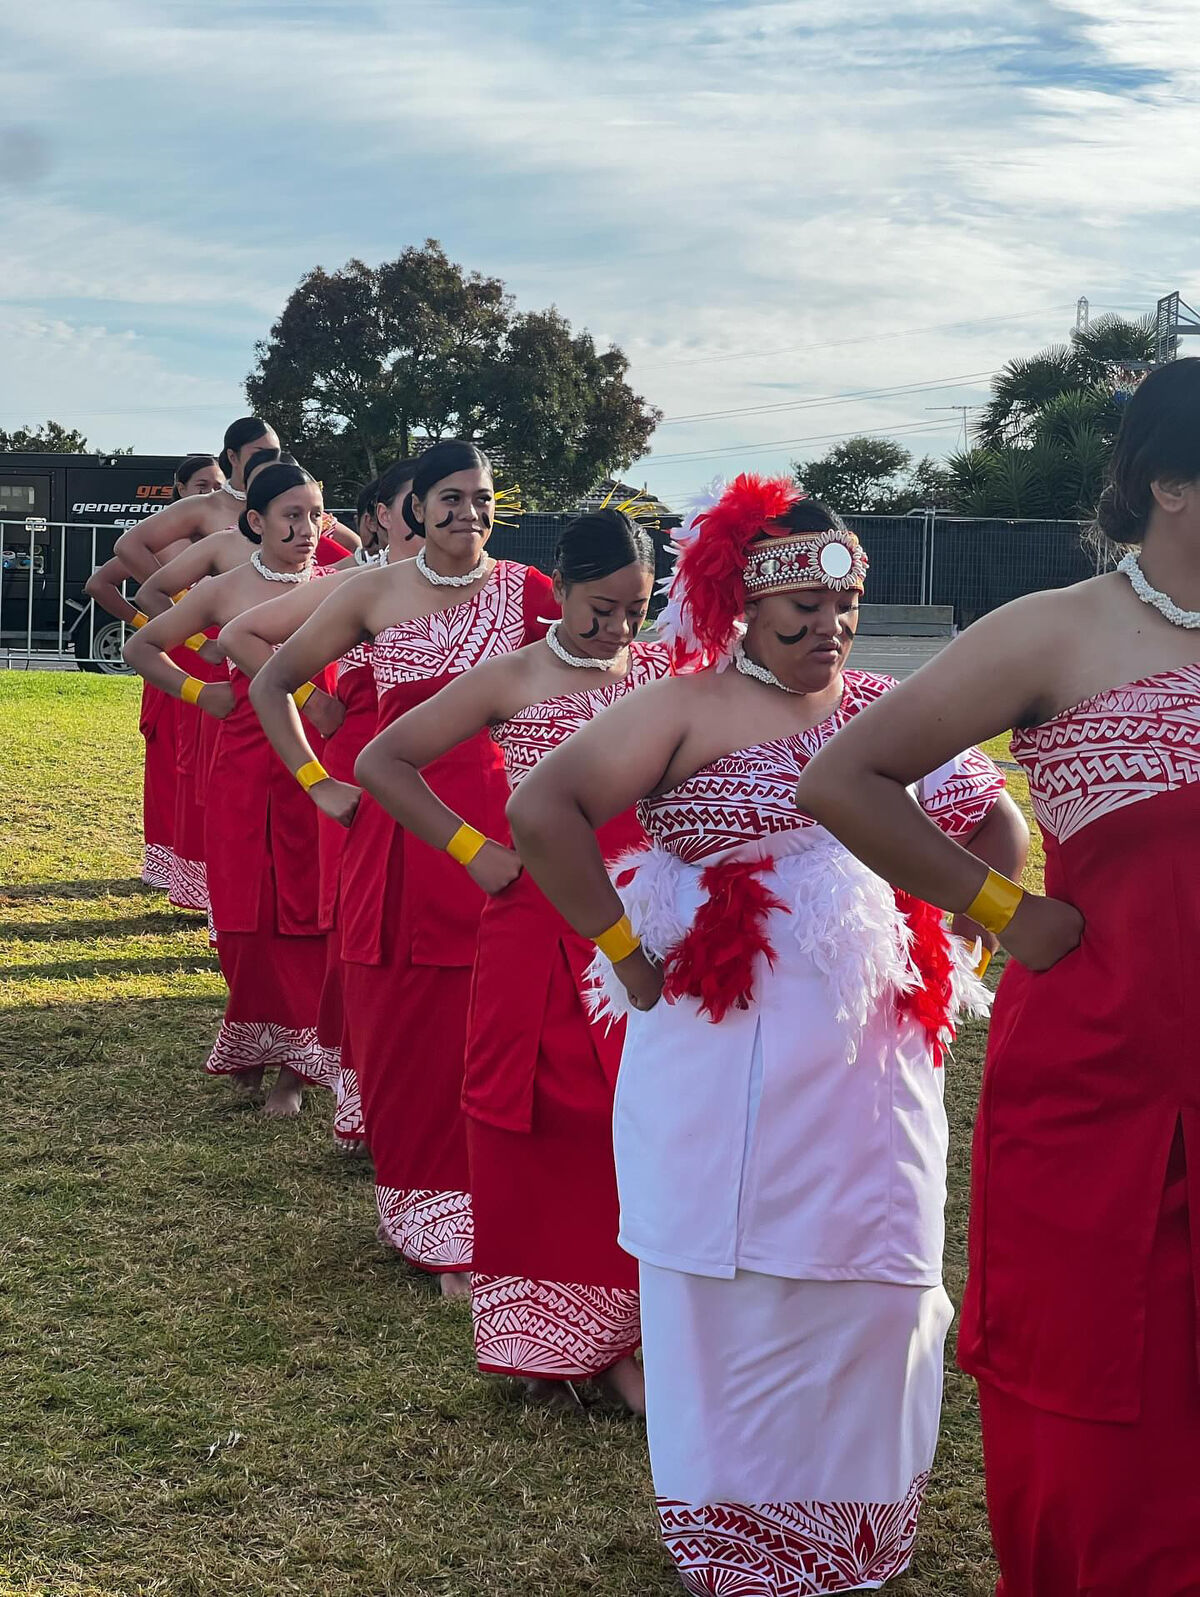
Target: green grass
(213,1381)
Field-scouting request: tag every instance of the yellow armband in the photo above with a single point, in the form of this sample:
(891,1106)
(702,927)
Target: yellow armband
(465,844)
(192,689)
(303,693)
(995,904)
(139,619)
(310,774)
(196,642)
(182,594)
(619,941)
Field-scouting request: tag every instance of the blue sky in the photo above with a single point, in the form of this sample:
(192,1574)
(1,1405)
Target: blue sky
(769,204)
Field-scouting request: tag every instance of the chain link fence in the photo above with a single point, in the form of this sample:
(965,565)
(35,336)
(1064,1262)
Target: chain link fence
(927,558)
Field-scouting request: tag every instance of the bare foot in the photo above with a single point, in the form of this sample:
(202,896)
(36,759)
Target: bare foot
(351,1147)
(287,1096)
(456,1284)
(247,1084)
(560,1396)
(626,1381)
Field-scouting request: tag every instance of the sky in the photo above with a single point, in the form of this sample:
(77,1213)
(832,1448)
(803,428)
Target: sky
(799,219)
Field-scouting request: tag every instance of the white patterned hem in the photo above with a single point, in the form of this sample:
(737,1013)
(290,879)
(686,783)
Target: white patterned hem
(156,864)
(243,1045)
(431,1229)
(188,885)
(551,1329)
(790,1549)
(347,1115)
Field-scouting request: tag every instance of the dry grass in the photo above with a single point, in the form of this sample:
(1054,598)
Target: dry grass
(214,1382)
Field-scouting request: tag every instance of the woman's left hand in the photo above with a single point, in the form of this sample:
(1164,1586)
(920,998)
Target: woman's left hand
(324,712)
(641,979)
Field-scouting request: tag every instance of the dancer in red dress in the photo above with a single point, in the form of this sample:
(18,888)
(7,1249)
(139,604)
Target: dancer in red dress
(261,843)
(554,1297)
(1080,1314)
(159,719)
(250,642)
(410,916)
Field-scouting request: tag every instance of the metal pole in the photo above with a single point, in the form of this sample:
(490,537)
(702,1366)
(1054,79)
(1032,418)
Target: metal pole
(92,605)
(62,580)
(29,596)
(932,552)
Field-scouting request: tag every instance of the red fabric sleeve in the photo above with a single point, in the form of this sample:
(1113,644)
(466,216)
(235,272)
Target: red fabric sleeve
(540,605)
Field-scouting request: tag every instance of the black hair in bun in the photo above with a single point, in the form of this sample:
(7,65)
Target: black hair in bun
(270,482)
(596,544)
(1159,441)
(438,462)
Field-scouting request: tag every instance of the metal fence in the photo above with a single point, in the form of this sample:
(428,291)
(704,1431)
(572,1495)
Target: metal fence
(928,557)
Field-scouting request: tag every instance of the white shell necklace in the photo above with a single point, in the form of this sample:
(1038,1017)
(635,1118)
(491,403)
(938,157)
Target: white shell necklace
(584,662)
(1162,602)
(465,581)
(233,493)
(256,560)
(760,673)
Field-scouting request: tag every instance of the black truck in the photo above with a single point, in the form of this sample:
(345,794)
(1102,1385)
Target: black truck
(59,518)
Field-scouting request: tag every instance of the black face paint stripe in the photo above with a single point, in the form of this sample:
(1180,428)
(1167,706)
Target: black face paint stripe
(289,537)
(592,630)
(486,520)
(794,638)
(449,518)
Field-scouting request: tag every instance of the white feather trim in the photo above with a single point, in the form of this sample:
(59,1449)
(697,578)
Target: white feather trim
(674,622)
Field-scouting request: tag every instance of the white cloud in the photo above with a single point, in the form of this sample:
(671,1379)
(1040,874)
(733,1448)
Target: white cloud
(690,180)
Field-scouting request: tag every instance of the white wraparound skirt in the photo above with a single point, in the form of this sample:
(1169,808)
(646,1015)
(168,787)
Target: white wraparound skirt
(792,1427)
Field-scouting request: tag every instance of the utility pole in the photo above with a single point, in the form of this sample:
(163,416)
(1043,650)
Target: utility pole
(962,410)
(1083,314)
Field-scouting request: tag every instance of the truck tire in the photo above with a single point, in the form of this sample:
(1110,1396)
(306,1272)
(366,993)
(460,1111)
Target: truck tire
(104,654)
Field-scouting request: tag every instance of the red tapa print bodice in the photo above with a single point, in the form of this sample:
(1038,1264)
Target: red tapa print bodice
(1093,1064)
(750,793)
(528,736)
(492,622)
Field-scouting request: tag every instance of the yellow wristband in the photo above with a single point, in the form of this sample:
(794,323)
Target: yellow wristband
(139,619)
(985,959)
(192,689)
(196,642)
(303,693)
(465,844)
(310,774)
(619,941)
(182,594)
(995,904)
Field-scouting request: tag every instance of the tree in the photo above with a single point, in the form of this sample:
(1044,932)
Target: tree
(365,365)
(1047,432)
(48,438)
(874,475)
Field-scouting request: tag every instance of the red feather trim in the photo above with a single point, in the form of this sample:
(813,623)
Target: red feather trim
(714,963)
(930,1004)
(711,569)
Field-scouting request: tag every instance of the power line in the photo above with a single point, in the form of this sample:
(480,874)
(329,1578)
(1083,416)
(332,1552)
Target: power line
(849,398)
(784,443)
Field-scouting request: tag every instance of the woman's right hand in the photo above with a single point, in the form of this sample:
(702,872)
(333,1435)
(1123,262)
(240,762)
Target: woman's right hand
(1043,931)
(494,868)
(324,711)
(641,979)
(216,699)
(211,651)
(338,800)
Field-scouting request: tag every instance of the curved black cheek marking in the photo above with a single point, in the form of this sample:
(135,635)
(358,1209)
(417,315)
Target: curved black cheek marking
(449,518)
(289,537)
(486,521)
(796,637)
(592,630)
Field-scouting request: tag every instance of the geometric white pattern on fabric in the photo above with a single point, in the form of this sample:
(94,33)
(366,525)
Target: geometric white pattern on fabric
(432,1229)
(254,1045)
(1116,749)
(347,1114)
(156,864)
(553,1329)
(448,642)
(789,1549)
(188,885)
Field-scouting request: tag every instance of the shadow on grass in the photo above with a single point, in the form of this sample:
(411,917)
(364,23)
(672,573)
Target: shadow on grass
(160,923)
(204,959)
(94,887)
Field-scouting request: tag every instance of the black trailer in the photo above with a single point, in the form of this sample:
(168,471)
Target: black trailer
(59,518)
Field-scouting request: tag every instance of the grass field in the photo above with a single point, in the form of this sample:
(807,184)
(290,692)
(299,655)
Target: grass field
(213,1381)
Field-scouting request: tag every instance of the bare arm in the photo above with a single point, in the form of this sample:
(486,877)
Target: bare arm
(184,571)
(1001,841)
(620,757)
(252,638)
(146,650)
(140,548)
(390,766)
(334,628)
(342,534)
(102,586)
(991,678)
